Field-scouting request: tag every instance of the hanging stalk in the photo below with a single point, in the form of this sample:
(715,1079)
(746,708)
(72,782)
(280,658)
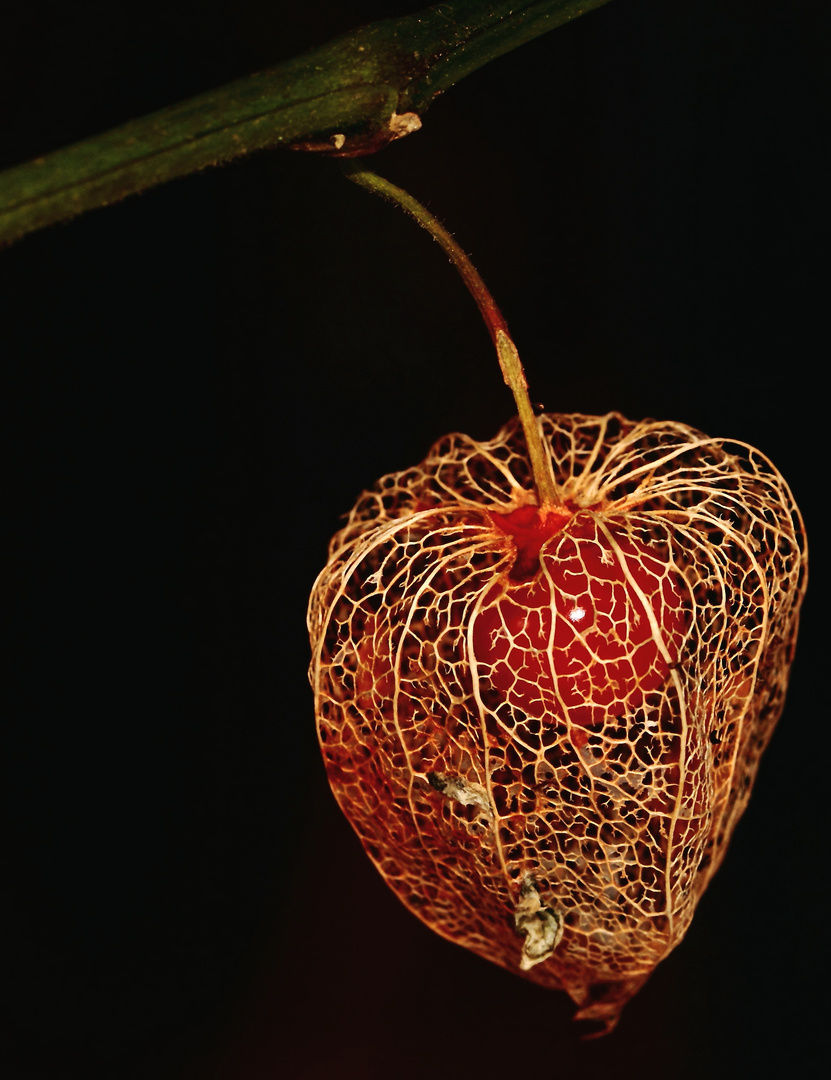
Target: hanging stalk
(512,371)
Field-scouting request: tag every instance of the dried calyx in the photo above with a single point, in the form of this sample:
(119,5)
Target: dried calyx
(545,669)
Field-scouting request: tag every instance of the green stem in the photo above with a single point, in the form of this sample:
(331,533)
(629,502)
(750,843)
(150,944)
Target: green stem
(351,96)
(509,361)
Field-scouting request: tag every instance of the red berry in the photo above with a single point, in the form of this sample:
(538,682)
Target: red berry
(544,725)
(585,625)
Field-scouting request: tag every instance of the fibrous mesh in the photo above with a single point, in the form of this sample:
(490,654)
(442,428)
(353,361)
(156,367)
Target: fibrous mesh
(545,735)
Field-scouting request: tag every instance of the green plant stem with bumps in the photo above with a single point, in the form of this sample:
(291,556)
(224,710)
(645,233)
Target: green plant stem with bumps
(351,96)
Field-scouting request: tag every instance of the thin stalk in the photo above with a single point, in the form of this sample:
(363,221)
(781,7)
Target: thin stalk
(512,371)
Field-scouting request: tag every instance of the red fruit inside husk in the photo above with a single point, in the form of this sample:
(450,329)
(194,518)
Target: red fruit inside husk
(544,725)
(586,624)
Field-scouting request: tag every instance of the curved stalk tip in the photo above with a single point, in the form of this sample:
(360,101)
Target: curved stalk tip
(509,361)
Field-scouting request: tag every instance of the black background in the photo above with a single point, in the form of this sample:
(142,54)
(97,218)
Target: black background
(198,381)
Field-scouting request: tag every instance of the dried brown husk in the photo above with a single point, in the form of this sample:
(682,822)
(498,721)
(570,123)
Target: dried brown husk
(576,863)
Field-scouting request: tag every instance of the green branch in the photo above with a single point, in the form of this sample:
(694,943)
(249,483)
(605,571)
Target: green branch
(349,97)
